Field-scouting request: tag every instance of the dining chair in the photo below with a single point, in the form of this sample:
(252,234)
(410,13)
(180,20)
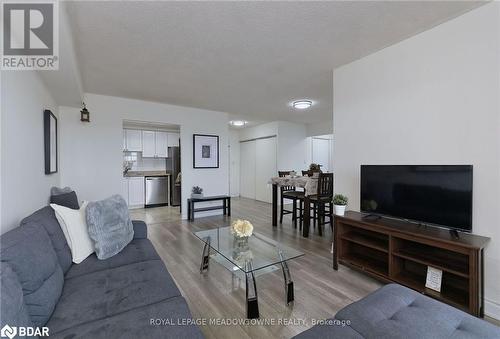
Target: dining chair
(290,193)
(323,201)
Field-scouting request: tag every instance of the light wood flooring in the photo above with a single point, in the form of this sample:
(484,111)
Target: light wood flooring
(319,290)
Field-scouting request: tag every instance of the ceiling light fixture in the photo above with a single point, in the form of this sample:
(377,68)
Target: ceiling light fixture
(302,104)
(238,123)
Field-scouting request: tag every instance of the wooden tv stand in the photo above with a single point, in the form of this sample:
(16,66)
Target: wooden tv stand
(398,251)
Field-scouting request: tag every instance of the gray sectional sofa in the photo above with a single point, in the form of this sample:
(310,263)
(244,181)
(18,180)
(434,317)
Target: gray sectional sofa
(395,311)
(114,298)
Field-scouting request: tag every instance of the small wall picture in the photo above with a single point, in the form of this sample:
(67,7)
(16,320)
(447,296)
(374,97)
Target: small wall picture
(205,151)
(50,141)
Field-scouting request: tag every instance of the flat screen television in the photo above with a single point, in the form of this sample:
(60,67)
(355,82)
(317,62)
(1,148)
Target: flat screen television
(430,194)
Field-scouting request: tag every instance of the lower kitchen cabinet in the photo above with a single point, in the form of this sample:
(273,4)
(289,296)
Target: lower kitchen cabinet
(135,191)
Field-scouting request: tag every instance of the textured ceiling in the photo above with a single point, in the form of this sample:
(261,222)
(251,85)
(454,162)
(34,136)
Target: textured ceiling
(246,58)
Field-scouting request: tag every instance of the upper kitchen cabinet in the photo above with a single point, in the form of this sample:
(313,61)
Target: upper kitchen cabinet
(161,144)
(132,140)
(154,144)
(148,144)
(173,139)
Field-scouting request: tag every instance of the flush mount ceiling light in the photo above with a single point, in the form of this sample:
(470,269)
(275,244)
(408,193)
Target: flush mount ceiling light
(302,104)
(238,123)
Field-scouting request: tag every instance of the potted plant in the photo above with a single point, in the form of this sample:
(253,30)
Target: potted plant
(197,192)
(314,168)
(340,202)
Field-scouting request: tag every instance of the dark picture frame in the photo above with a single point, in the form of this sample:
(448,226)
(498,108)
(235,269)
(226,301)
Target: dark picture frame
(205,151)
(50,141)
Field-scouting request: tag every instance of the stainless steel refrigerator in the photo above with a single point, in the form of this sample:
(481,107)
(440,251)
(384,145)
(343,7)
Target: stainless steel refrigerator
(174,167)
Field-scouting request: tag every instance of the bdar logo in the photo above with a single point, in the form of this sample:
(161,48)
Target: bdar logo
(8,331)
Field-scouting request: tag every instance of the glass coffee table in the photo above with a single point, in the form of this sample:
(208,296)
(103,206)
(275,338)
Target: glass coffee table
(248,255)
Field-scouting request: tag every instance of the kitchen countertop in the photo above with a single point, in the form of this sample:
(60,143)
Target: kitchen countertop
(146,174)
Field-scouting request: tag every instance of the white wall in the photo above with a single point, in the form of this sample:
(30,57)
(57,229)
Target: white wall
(292,146)
(91,153)
(321,128)
(291,139)
(431,99)
(24,186)
(259,131)
(234,163)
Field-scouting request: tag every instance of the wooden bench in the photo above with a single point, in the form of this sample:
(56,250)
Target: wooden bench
(226,205)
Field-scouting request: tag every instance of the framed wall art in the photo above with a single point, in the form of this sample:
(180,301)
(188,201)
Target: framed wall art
(205,151)
(50,141)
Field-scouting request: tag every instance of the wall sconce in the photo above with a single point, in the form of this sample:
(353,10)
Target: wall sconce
(85,114)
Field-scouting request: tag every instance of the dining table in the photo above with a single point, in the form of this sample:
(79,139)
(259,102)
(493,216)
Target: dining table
(309,184)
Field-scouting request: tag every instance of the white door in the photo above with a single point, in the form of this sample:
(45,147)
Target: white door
(161,144)
(173,139)
(134,140)
(321,153)
(148,144)
(265,151)
(247,169)
(136,192)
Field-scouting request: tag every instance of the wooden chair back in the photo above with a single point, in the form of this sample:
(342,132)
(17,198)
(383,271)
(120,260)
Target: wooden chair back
(282,174)
(325,185)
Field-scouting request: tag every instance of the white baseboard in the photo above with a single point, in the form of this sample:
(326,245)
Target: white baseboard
(492,309)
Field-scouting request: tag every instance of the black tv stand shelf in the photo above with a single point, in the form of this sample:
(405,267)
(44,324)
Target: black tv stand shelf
(398,251)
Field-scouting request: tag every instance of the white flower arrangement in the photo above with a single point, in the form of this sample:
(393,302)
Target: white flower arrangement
(241,228)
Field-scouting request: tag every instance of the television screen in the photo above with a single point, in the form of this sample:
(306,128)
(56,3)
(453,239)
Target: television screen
(433,194)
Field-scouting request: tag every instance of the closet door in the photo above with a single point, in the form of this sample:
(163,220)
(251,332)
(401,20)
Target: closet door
(265,168)
(247,169)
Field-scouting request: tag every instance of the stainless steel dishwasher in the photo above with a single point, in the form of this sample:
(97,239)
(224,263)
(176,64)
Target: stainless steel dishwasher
(157,191)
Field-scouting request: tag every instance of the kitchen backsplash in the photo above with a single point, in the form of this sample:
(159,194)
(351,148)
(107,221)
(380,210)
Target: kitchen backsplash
(138,163)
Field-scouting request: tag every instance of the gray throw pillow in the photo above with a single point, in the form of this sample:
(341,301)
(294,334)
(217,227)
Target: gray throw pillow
(69,200)
(58,190)
(110,226)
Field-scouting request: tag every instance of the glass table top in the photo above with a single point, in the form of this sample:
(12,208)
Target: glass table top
(251,254)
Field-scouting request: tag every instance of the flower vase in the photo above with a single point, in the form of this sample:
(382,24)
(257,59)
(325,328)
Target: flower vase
(240,245)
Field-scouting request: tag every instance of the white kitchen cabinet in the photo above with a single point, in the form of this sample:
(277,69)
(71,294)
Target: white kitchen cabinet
(125,189)
(133,140)
(173,139)
(136,191)
(148,144)
(161,144)
(154,144)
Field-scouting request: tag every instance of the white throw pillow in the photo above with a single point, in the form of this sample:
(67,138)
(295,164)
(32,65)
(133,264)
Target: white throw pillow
(74,226)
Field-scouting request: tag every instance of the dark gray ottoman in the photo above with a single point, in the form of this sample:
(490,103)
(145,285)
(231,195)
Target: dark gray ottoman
(395,311)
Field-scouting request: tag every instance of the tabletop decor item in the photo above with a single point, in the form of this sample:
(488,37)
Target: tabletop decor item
(241,230)
(205,151)
(315,167)
(197,192)
(340,202)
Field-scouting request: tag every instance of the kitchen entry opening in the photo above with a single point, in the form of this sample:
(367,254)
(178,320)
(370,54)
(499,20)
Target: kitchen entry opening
(151,165)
